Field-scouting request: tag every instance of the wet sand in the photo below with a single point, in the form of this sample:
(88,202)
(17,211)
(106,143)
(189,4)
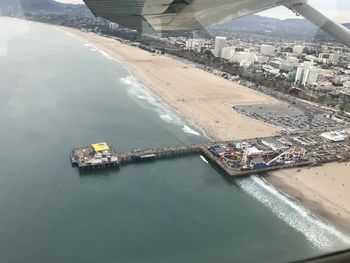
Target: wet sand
(324,190)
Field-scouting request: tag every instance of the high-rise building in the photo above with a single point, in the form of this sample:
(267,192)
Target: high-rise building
(267,50)
(220,43)
(307,74)
(310,76)
(300,74)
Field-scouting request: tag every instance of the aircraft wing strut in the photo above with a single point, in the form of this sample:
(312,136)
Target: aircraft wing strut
(340,32)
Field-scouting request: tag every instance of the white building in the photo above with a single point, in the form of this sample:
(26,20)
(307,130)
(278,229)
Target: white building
(336,136)
(288,66)
(276,63)
(113,26)
(300,74)
(228,52)
(334,57)
(298,49)
(292,59)
(246,56)
(220,43)
(346,84)
(310,76)
(261,59)
(190,44)
(246,64)
(307,74)
(275,145)
(267,50)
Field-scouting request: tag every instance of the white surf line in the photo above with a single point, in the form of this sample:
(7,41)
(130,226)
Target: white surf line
(166,113)
(317,231)
(169,115)
(203,159)
(187,129)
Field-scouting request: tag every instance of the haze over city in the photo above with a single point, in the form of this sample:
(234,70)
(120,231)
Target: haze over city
(338,9)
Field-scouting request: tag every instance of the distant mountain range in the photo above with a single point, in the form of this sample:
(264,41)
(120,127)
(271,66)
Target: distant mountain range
(20,6)
(300,29)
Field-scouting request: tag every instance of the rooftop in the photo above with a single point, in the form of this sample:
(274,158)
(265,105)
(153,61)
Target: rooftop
(100,147)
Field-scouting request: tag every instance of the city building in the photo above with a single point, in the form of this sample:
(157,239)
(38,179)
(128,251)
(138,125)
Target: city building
(220,43)
(306,74)
(190,44)
(276,63)
(246,64)
(299,75)
(246,56)
(292,59)
(346,84)
(298,49)
(334,57)
(228,52)
(347,56)
(323,56)
(288,66)
(261,59)
(113,26)
(336,136)
(267,50)
(310,76)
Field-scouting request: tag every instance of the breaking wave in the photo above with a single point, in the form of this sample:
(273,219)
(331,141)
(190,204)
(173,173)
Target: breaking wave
(317,231)
(94,48)
(137,90)
(187,129)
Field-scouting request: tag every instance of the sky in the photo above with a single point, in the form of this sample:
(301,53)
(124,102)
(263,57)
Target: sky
(339,10)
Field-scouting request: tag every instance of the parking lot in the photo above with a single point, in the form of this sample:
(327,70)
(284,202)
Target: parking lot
(292,118)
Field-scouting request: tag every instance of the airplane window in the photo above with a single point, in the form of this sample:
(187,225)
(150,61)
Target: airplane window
(174,131)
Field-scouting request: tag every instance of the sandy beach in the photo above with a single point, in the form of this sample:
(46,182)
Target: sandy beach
(324,190)
(201,97)
(206,100)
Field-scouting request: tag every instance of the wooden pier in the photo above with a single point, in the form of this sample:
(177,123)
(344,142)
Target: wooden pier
(88,158)
(159,153)
(195,149)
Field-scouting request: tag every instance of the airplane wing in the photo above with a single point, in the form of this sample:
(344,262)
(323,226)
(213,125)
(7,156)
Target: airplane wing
(184,15)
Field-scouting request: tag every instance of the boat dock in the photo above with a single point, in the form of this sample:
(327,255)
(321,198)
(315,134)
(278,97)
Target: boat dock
(234,158)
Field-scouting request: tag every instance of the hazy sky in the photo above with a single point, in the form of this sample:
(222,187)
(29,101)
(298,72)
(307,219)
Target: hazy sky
(336,9)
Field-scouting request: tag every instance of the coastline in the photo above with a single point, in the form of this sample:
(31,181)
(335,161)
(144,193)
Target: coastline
(181,86)
(323,190)
(198,96)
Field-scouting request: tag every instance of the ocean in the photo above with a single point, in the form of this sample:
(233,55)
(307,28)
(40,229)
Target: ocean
(57,93)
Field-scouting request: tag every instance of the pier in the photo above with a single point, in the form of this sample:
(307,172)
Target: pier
(234,158)
(159,153)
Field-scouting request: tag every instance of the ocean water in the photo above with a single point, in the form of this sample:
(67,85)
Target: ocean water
(58,92)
